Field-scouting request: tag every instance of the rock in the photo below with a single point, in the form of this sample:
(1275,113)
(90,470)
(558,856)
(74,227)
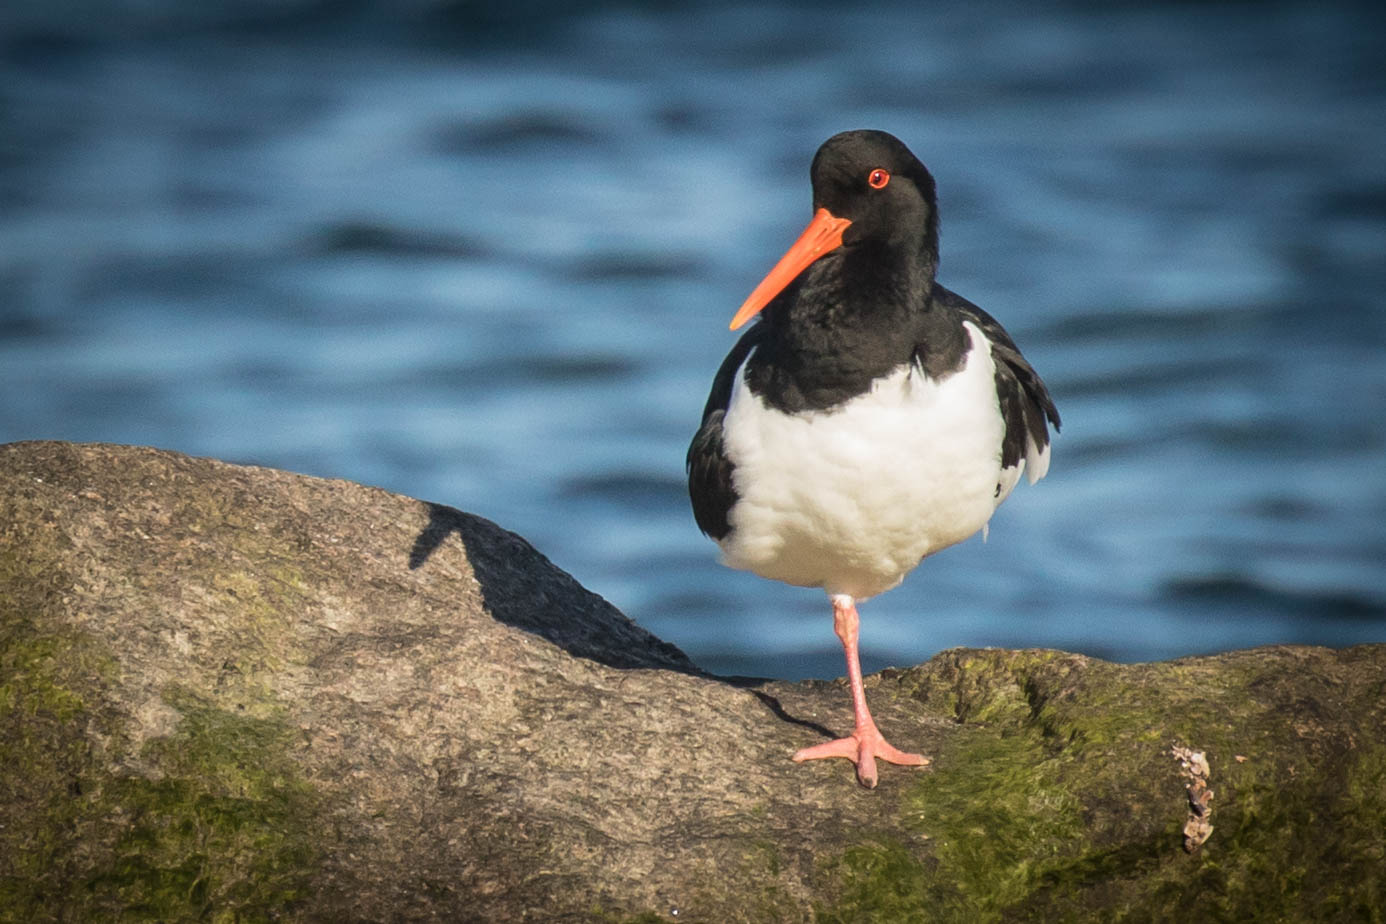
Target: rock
(233,693)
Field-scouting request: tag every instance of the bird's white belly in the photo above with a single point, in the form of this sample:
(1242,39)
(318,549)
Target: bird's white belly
(851,499)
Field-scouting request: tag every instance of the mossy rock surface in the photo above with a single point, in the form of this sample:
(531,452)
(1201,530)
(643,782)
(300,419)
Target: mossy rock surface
(237,694)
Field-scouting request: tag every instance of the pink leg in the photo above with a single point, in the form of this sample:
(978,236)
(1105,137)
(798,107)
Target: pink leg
(865,743)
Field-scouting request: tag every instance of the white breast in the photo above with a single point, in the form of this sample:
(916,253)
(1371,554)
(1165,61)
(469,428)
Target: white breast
(851,499)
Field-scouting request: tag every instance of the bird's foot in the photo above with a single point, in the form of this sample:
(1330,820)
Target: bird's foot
(862,747)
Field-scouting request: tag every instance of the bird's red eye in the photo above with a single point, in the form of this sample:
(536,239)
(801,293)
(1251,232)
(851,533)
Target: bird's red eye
(878,178)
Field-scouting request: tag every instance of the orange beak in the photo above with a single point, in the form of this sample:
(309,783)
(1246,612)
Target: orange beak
(823,234)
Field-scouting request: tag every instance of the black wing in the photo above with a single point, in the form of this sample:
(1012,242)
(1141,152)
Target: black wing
(1025,401)
(709,470)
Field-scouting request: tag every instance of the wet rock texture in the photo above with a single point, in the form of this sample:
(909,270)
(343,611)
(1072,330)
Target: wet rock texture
(237,694)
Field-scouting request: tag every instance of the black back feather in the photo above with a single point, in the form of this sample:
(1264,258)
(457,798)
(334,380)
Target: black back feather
(1024,399)
(710,485)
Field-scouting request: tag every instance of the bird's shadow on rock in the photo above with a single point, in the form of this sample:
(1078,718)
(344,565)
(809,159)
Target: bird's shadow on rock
(778,709)
(522,588)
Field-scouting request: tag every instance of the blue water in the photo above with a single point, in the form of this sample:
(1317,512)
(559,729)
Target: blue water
(489,260)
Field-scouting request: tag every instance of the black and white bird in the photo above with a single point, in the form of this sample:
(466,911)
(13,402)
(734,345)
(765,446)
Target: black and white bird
(870,417)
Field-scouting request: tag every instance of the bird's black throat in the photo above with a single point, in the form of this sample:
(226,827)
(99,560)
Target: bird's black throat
(854,316)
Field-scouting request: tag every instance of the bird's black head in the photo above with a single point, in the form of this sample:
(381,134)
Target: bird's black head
(874,220)
(871,179)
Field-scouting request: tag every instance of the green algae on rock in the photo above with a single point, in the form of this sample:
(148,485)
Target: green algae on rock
(1060,803)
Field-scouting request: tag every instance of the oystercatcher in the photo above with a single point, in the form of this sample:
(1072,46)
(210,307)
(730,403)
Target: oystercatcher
(870,417)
